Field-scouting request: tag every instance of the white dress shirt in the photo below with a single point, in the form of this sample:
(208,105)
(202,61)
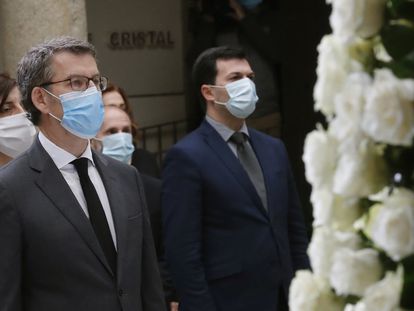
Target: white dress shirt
(62,160)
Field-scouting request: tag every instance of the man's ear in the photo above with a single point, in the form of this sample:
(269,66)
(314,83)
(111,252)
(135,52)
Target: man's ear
(39,99)
(207,92)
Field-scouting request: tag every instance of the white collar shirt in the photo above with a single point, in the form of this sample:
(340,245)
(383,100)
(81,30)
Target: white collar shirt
(62,160)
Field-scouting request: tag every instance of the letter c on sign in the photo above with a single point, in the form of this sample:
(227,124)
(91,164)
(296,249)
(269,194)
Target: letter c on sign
(114,39)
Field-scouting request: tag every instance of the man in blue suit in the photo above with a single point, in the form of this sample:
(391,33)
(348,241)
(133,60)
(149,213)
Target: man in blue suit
(234,233)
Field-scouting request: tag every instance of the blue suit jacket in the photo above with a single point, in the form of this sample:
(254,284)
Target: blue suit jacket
(224,250)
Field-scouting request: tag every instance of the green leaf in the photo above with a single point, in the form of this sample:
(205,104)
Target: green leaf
(402,69)
(387,263)
(398,38)
(407,297)
(400,160)
(402,9)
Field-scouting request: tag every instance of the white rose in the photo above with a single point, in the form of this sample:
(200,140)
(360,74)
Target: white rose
(349,106)
(361,169)
(381,53)
(320,158)
(391,224)
(334,64)
(356,17)
(354,271)
(322,201)
(384,295)
(389,113)
(381,195)
(324,244)
(312,293)
(330,209)
(356,307)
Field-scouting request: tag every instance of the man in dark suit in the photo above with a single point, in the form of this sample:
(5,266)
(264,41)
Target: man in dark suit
(74,226)
(234,233)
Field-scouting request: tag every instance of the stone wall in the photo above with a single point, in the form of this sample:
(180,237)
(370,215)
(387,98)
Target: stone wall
(24,23)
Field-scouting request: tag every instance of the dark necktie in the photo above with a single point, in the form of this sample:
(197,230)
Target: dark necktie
(251,165)
(96,212)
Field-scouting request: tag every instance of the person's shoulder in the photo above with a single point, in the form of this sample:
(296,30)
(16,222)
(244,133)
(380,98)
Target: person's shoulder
(192,137)
(190,143)
(257,135)
(116,166)
(15,169)
(188,151)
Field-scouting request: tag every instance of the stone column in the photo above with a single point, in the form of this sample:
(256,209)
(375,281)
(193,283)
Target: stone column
(25,23)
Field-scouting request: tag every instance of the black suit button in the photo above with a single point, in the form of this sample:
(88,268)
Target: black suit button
(120,293)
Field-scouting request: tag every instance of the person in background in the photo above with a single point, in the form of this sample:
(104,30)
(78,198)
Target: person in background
(116,142)
(75,232)
(16,131)
(234,233)
(115,135)
(143,160)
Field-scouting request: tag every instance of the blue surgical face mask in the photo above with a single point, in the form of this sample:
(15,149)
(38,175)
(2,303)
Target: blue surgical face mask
(242,97)
(118,146)
(250,4)
(83,112)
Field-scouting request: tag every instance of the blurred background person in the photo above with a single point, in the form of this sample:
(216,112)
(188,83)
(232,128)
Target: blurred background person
(115,135)
(254,26)
(143,160)
(115,140)
(16,131)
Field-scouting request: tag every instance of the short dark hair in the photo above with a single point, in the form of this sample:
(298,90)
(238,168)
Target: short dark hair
(205,67)
(7,83)
(35,68)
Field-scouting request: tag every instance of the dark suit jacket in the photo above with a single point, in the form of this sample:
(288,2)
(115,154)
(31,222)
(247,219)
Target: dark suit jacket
(224,251)
(145,162)
(152,189)
(50,258)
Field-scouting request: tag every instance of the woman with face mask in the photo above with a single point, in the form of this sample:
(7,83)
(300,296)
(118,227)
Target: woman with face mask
(16,131)
(143,160)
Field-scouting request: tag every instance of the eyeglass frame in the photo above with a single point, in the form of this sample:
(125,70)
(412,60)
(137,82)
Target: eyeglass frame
(87,84)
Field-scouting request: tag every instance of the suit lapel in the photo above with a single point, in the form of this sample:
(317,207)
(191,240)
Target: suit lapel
(54,186)
(116,202)
(222,150)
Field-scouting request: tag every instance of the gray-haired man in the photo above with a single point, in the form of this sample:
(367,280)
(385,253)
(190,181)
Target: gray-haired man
(74,228)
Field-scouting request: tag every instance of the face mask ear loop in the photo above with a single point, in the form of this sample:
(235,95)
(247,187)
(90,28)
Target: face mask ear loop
(51,94)
(220,103)
(54,117)
(220,87)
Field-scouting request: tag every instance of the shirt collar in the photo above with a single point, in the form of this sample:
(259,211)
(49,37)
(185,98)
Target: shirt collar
(60,156)
(224,131)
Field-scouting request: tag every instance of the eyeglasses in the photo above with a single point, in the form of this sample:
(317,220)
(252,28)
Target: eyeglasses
(81,83)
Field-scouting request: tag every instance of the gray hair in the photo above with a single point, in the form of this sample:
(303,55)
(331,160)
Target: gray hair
(35,68)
